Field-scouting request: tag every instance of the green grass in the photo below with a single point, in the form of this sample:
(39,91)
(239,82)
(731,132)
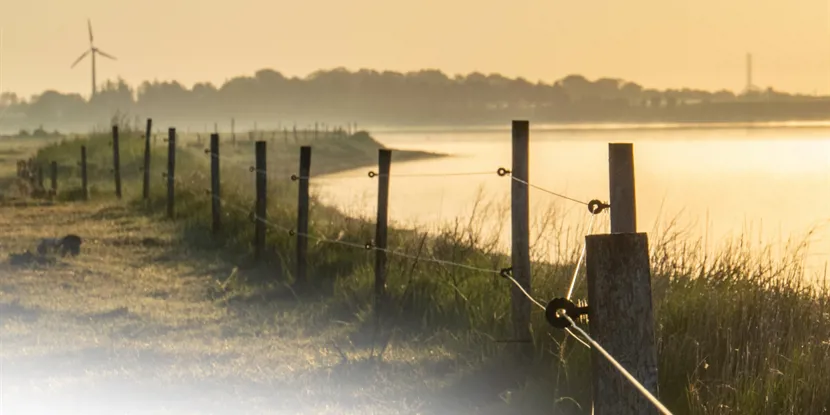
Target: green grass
(737,333)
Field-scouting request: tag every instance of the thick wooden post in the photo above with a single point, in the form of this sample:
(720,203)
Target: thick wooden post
(171,173)
(621,321)
(146,187)
(384,167)
(302,215)
(116,161)
(621,182)
(54,176)
(84,183)
(216,205)
(520,251)
(261,201)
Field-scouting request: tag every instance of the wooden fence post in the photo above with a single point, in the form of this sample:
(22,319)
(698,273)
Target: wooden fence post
(32,169)
(116,161)
(147,158)
(216,206)
(520,252)
(621,183)
(384,167)
(54,177)
(233,131)
(84,187)
(261,201)
(302,215)
(621,321)
(171,172)
(40,176)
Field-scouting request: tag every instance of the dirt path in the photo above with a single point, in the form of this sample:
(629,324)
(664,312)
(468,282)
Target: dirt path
(130,327)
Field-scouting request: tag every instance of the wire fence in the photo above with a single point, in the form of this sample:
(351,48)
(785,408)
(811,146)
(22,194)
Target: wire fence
(595,207)
(245,166)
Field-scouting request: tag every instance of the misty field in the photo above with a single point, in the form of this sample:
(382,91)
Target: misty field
(171,318)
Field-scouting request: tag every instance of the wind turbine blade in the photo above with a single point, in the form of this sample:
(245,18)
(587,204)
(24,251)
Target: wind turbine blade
(106,55)
(89,24)
(80,59)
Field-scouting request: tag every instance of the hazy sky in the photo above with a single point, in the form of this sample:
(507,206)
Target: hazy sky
(659,43)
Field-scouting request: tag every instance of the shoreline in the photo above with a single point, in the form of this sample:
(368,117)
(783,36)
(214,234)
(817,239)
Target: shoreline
(543,126)
(603,126)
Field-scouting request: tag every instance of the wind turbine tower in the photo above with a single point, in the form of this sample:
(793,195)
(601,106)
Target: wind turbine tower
(94,51)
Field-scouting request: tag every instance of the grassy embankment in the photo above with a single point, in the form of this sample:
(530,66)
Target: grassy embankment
(737,333)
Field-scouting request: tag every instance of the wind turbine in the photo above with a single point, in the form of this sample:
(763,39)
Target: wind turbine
(94,51)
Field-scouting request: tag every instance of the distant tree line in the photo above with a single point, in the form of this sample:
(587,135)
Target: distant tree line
(426,97)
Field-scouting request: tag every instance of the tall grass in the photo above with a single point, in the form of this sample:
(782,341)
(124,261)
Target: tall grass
(739,332)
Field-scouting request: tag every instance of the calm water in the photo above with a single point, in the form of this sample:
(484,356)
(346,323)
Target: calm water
(768,184)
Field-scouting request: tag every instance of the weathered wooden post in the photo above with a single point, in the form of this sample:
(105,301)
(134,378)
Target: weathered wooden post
(146,187)
(84,187)
(116,161)
(302,215)
(32,169)
(171,173)
(621,183)
(54,177)
(40,176)
(621,321)
(619,299)
(216,206)
(384,167)
(520,252)
(233,131)
(261,201)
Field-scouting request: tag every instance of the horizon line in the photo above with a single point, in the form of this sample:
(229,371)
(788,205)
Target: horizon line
(449,75)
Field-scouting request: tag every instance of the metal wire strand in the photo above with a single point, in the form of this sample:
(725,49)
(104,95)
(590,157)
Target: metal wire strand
(321,177)
(568,330)
(581,258)
(548,191)
(617,365)
(355,245)
(529,297)
(439,174)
